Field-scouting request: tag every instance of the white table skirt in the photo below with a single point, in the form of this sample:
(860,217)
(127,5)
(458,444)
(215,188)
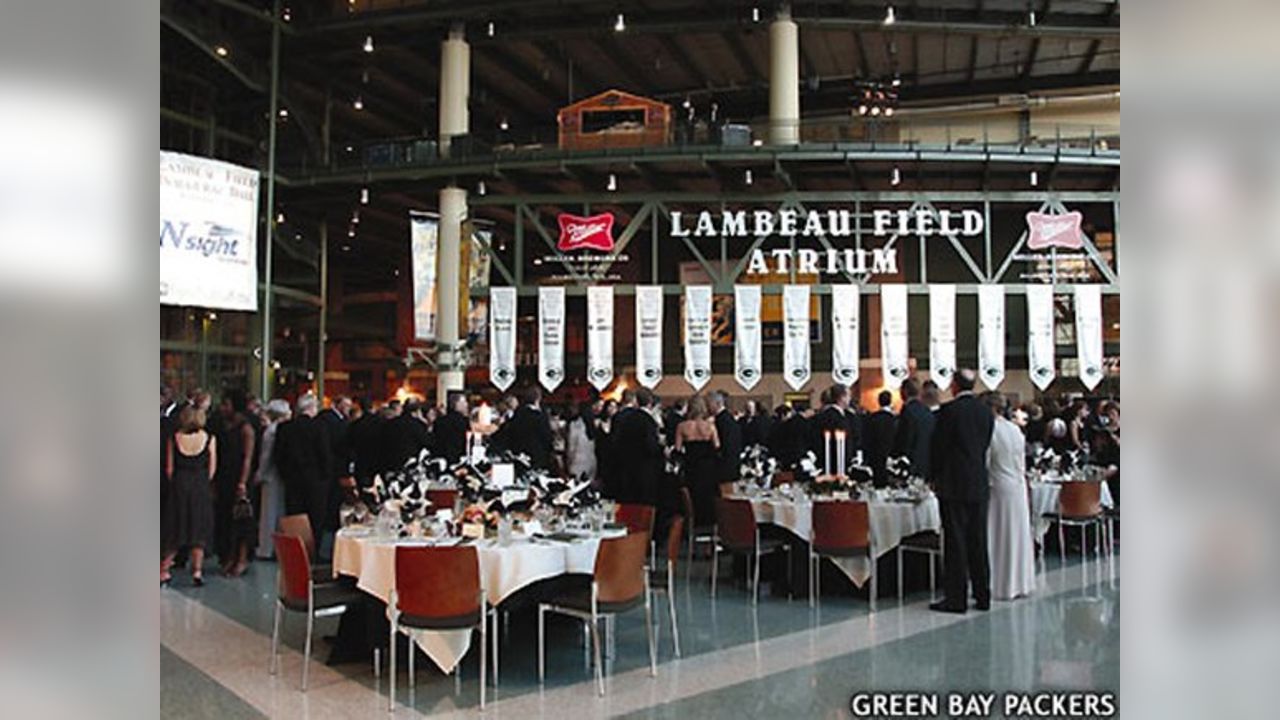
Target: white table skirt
(503,571)
(1044,499)
(890,523)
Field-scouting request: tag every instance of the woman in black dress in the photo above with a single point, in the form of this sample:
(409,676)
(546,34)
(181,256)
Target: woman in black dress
(697,438)
(236,439)
(187,516)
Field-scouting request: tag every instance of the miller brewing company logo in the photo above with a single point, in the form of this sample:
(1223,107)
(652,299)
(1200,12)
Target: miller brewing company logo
(1048,231)
(578,233)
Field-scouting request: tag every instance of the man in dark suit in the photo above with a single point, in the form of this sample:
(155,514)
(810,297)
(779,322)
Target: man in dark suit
(364,441)
(451,429)
(836,415)
(406,436)
(528,431)
(915,429)
(877,441)
(730,433)
(638,450)
(958,460)
(756,424)
(304,456)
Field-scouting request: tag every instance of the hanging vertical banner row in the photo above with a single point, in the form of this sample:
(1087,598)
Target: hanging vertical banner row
(748,335)
(649,335)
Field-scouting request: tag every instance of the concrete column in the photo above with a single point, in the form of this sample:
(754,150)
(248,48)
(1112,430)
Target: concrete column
(784,79)
(455,87)
(453,210)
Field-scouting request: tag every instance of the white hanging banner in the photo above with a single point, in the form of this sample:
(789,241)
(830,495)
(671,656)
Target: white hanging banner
(502,336)
(550,337)
(1040,361)
(1089,333)
(649,335)
(991,334)
(893,334)
(795,335)
(424,245)
(600,336)
(845,319)
(942,334)
(697,335)
(746,335)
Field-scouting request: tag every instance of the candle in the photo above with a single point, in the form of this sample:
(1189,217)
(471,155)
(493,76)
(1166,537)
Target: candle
(840,452)
(826,452)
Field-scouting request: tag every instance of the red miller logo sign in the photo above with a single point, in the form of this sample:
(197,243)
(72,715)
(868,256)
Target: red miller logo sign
(578,233)
(1048,231)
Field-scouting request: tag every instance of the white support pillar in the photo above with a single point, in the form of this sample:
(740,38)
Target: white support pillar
(784,79)
(455,87)
(451,371)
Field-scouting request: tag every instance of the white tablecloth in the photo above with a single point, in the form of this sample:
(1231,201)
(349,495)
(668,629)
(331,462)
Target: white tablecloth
(890,522)
(1044,499)
(503,571)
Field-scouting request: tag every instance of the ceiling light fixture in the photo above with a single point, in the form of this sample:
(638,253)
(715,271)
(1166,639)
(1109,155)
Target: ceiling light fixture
(358,103)
(888,112)
(889,16)
(280,218)
(896,178)
(503,125)
(221,51)
(284,113)
(757,143)
(755,14)
(746,176)
(491,30)
(613,183)
(364,196)
(355,216)
(1035,178)
(620,24)
(351,232)
(1031,18)
(897,80)
(368,43)
(481,189)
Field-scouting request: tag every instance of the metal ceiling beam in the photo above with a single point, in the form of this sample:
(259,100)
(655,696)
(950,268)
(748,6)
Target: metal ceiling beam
(622,58)
(677,52)
(741,55)
(520,70)
(557,52)
(864,65)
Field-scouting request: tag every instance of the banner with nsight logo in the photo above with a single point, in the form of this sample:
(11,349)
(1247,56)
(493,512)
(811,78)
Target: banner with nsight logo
(208,233)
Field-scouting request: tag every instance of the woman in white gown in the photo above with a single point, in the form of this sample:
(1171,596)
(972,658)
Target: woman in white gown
(272,506)
(581,447)
(1009,543)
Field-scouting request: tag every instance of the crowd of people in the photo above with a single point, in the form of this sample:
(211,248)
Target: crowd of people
(227,477)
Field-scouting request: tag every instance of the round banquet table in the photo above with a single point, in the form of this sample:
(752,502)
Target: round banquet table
(503,571)
(1044,500)
(891,521)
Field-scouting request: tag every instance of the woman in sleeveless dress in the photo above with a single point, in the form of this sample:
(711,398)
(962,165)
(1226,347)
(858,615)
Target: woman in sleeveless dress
(234,468)
(1009,538)
(696,437)
(190,460)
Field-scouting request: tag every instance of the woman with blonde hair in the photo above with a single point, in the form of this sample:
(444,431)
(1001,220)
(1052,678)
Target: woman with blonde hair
(191,457)
(697,438)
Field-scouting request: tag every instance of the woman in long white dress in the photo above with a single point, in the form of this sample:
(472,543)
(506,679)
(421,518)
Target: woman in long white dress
(1009,542)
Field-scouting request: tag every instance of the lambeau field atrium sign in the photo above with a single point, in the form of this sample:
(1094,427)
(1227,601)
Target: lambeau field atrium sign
(830,223)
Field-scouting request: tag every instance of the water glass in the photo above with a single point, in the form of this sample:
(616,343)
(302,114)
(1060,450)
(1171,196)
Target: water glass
(504,531)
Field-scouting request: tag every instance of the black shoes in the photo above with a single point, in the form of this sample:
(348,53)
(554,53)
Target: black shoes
(197,580)
(947,607)
(983,606)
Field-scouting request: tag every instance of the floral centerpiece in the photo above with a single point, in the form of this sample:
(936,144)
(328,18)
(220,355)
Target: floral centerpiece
(756,466)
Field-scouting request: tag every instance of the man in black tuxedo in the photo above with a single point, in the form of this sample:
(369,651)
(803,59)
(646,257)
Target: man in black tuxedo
(638,450)
(959,470)
(788,437)
(730,433)
(364,440)
(451,429)
(304,456)
(528,431)
(877,441)
(915,429)
(406,436)
(836,415)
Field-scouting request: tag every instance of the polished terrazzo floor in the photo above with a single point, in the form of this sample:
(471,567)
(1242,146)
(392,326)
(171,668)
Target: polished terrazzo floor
(777,658)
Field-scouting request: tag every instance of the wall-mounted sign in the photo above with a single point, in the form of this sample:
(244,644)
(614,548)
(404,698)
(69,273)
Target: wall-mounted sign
(1046,231)
(594,232)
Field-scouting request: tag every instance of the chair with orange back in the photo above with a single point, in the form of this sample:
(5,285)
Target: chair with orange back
(637,517)
(1080,505)
(665,581)
(619,582)
(437,588)
(841,528)
(299,526)
(738,534)
(299,593)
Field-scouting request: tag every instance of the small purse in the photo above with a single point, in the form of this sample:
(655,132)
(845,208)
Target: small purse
(242,510)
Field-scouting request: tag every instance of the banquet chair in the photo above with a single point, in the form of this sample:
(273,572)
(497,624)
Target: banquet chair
(619,582)
(1080,505)
(665,582)
(638,517)
(928,543)
(697,534)
(738,534)
(299,593)
(299,526)
(442,499)
(437,588)
(841,528)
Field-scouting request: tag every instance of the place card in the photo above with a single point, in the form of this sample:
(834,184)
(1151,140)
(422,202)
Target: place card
(473,530)
(503,476)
